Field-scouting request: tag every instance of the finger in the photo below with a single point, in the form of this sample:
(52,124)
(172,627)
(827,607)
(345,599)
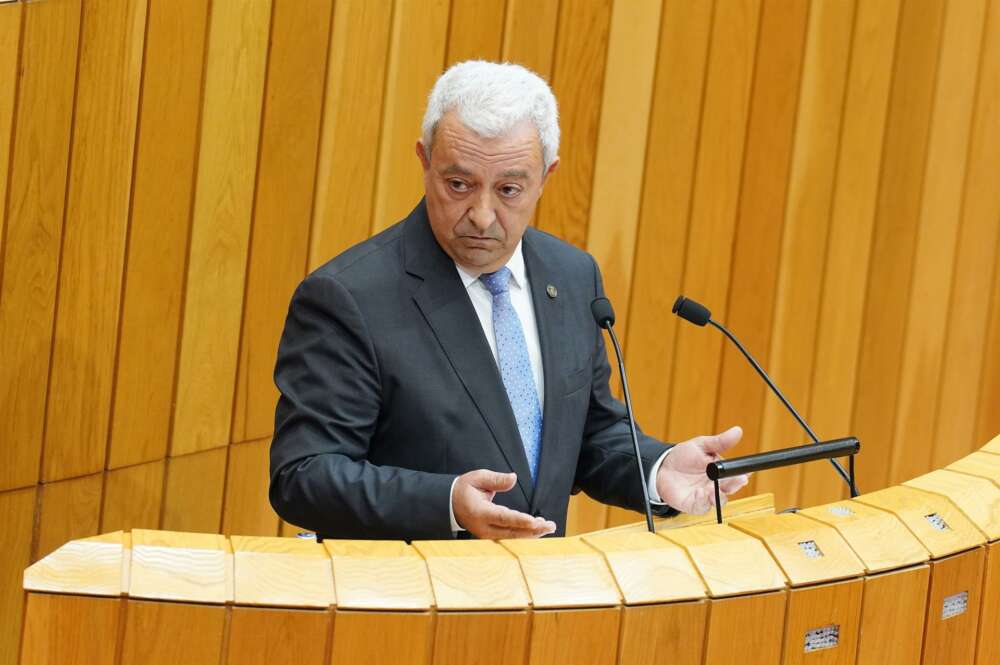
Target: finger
(500,533)
(720,443)
(492,481)
(734,484)
(502,516)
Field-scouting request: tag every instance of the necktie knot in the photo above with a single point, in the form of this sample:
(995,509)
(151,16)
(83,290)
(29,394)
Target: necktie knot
(496,282)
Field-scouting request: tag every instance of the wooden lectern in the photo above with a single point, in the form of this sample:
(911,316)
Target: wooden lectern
(908,574)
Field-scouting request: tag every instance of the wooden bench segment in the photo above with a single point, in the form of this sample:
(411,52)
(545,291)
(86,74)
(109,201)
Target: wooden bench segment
(70,630)
(729,561)
(647,568)
(379,575)
(978,498)
(499,638)
(808,552)
(574,637)
(664,633)
(265,636)
(988,644)
(282,572)
(984,465)
(473,575)
(933,519)
(172,565)
(564,572)
(748,630)
(892,617)
(825,614)
(751,505)
(879,538)
(91,566)
(952,622)
(381,638)
(170,633)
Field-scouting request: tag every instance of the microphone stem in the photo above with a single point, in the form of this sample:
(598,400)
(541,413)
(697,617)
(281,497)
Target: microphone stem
(635,435)
(767,379)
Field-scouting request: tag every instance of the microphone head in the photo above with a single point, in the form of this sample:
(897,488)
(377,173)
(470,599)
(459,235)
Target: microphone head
(604,313)
(692,311)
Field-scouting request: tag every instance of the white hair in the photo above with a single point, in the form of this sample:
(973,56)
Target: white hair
(490,99)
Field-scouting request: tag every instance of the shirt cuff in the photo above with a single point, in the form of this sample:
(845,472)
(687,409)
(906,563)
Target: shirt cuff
(654,494)
(451,506)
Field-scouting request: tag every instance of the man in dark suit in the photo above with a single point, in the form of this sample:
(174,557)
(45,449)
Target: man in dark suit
(447,375)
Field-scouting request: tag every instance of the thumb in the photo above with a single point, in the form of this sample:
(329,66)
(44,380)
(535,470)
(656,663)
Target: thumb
(720,443)
(493,481)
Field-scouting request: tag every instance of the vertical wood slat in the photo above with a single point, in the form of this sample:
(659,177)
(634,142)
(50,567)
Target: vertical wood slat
(193,495)
(93,250)
(36,198)
(475,30)
(17,512)
(417,52)
(224,194)
(529,34)
(160,633)
(279,242)
(165,165)
(698,353)
(760,221)
(247,510)
(352,112)
(133,497)
(73,619)
(10,48)
(68,509)
(913,442)
(807,219)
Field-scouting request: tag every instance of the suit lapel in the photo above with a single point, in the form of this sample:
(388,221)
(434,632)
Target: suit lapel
(445,305)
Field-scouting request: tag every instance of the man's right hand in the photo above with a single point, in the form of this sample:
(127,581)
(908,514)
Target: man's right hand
(472,503)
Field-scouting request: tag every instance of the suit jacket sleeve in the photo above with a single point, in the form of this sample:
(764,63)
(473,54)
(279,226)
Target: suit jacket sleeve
(328,375)
(606,468)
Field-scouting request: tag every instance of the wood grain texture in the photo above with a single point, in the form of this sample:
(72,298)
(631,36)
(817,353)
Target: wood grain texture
(715,197)
(162,190)
(574,637)
(988,641)
(293,572)
(672,633)
(352,118)
(133,497)
(247,509)
(648,569)
(818,606)
(173,565)
(379,575)
(977,498)
(472,30)
(279,241)
(11,22)
(418,45)
(564,573)
(360,637)
(192,498)
(473,575)
(73,630)
(480,638)
(17,508)
(984,465)
(892,617)
(762,618)
(169,633)
(86,566)
(953,639)
(69,509)
(220,226)
(529,31)
(34,223)
(93,249)
(266,637)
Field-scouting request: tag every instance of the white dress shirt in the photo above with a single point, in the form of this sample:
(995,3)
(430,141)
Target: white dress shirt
(520,298)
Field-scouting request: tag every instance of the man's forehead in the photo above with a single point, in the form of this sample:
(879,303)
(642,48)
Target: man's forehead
(460,169)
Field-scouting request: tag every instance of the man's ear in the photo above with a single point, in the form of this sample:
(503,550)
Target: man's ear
(425,162)
(548,171)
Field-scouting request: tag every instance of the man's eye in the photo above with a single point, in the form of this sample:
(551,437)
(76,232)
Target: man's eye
(458,185)
(510,190)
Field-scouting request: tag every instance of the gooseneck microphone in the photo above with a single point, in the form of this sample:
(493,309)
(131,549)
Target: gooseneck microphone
(698,314)
(604,316)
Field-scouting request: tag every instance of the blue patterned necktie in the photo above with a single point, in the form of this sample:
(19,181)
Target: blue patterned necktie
(515,367)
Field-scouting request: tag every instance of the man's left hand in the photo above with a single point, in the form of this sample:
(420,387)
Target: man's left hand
(681,480)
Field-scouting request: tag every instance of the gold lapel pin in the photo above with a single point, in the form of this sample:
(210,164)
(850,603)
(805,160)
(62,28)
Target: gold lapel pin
(551,290)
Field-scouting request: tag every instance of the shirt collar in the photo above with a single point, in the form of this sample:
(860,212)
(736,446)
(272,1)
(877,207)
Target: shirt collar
(515,265)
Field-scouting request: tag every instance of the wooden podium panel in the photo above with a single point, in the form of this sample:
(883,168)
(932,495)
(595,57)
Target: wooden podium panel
(291,572)
(261,636)
(564,572)
(808,552)
(647,568)
(170,565)
(473,575)
(91,566)
(952,639)
(984,465)
(172,633)
(892,617)
(70,630)
(977,497)
(993,446)
(669,633)
(880,540)
(487,638)
(988,646)
(381,638)
(825,607)
(379,575)
(574,637)
(748,630)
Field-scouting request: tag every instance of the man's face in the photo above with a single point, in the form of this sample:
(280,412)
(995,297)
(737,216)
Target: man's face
(481,193)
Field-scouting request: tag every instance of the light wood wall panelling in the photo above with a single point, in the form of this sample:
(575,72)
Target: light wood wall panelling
(845,275)
(529,34)
(35,205)
(988,415)
(975,271)
(279,242)
(685,31)
(803,243)
(352,120)
(417,52)
(17,512)
(247,510)
(757,245)
(93,249)
(157,633)
(616,193)
(224,194)
(166,149)
(895,235)
(74,618)
(133,497)
(264,636)
(475,30)
(698,353)
(192,498)
(937,235)
(68,509)
(577,80)
(10,50)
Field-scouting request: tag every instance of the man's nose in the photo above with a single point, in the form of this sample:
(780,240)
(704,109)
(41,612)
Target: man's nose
(482,213)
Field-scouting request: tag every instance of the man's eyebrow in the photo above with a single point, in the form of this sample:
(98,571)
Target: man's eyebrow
(514,173)
(455,169)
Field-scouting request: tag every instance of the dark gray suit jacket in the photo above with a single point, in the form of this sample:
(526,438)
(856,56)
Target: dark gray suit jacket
(389,390)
